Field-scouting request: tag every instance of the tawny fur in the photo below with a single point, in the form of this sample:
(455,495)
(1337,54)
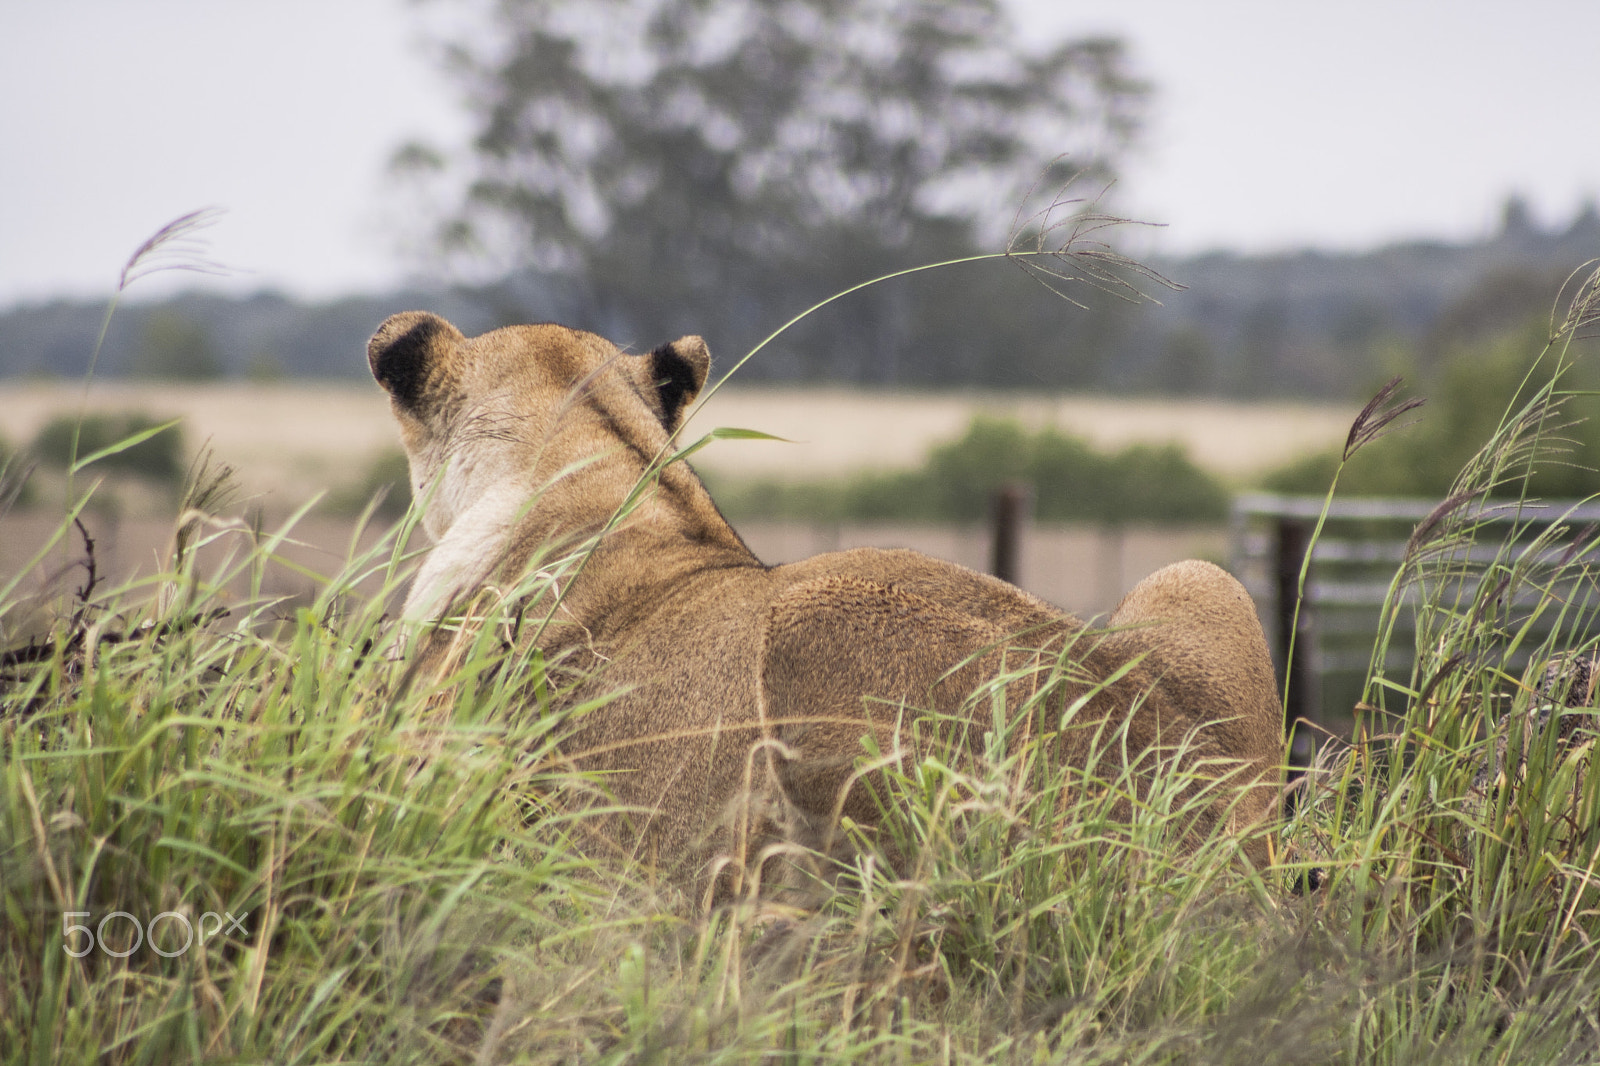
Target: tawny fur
(748,689)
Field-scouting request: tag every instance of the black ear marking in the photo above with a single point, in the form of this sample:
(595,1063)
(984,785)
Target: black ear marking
(678,370)
(399,352)
(674,382)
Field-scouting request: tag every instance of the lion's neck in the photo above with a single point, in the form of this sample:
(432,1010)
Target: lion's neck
(615,565)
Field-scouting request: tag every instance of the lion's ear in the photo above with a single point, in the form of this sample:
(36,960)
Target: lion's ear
(406,348)
(678,371)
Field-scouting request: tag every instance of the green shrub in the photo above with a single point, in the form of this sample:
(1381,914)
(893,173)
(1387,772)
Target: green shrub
(1071,481)
(158,458)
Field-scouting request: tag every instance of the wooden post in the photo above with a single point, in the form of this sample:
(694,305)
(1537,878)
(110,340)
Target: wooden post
(1304,688)
(1009,508)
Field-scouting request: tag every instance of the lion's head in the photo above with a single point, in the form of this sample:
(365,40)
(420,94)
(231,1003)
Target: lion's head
(516,409)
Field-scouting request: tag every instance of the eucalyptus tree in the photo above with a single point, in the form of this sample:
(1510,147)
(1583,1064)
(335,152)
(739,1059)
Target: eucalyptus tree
(715,165)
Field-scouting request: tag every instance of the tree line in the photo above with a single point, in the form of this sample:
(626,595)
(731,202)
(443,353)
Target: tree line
(1308,325)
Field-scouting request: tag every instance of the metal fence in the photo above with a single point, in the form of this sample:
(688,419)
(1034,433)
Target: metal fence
(1353,564)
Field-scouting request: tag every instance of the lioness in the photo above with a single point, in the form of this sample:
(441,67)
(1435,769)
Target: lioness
(738,679)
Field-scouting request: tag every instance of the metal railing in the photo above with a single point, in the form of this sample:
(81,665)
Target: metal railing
(1353,564)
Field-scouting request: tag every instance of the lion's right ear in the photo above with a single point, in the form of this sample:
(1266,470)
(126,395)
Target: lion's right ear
(406,349)
(678,371)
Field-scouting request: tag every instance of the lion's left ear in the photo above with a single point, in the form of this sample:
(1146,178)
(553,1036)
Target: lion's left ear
(678,372)
(407,352)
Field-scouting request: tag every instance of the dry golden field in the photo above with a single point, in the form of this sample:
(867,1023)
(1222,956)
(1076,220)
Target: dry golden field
(288,440)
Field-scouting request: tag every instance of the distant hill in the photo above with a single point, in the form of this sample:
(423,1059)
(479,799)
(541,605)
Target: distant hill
(1307,324)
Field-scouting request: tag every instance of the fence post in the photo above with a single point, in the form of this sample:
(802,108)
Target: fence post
(1009,508)
(1304,686)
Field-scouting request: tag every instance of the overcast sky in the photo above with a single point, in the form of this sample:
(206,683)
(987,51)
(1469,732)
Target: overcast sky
(1278,124)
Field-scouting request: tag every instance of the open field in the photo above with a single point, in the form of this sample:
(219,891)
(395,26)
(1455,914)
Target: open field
(284,440)
(288,439)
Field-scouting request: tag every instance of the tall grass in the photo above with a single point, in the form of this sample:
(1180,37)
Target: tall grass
(387,864)
(168,755)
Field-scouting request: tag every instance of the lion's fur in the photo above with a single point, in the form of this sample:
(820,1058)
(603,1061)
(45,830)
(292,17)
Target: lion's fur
(746,689)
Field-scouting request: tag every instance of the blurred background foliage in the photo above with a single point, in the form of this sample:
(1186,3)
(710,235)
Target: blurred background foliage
(159,458)
(674,166)
(1071,482)
(175,347)
(1303,325)
(1468,385)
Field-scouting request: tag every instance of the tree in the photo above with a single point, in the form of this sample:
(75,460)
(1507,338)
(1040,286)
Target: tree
(730,161)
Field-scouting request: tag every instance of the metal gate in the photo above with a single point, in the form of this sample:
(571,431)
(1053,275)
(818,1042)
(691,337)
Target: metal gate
(1354,562)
